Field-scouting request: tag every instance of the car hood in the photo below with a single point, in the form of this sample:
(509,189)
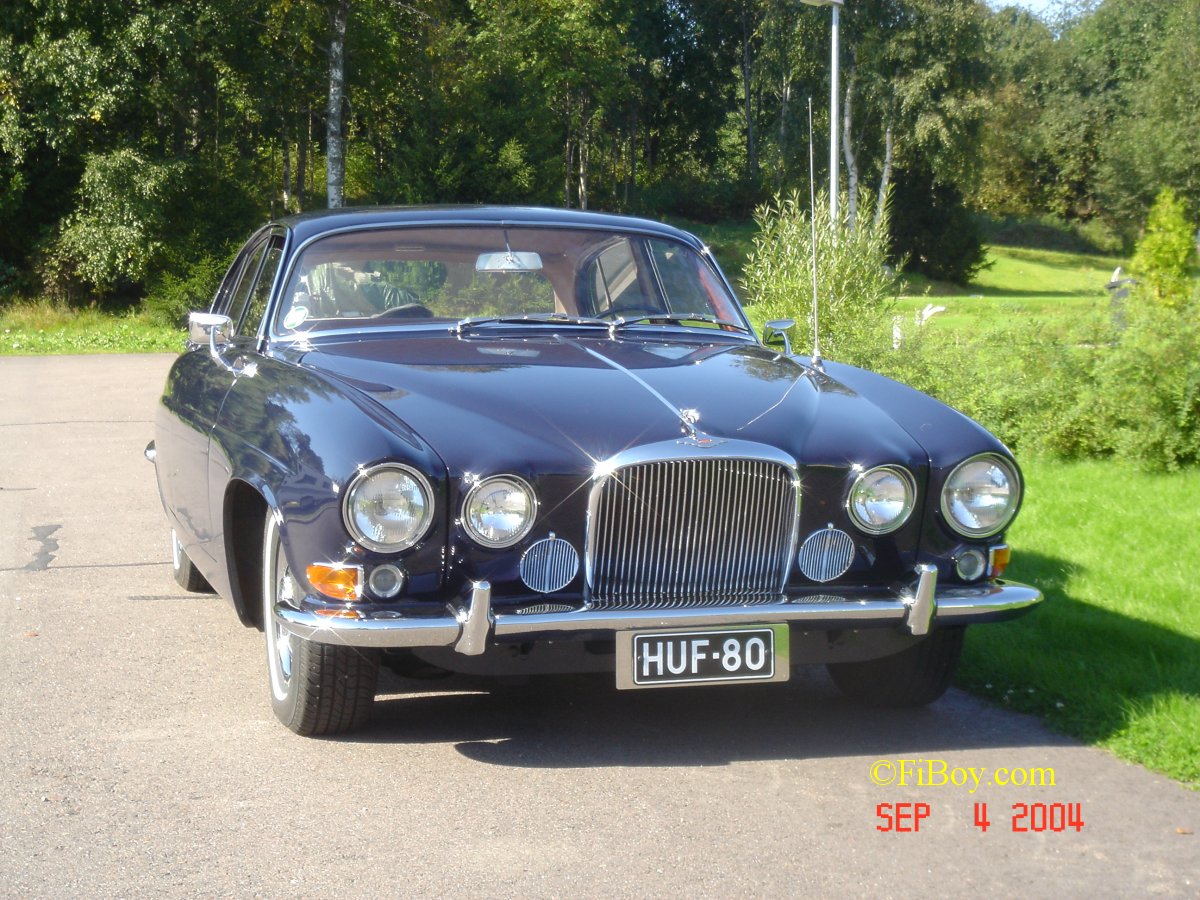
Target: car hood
(560,403)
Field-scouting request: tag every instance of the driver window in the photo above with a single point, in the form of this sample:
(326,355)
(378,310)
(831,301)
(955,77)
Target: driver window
(239,297)
(615,280)
(261,292)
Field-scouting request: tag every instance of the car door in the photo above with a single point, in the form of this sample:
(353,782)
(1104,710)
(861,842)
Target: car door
(247,311)
(195,390)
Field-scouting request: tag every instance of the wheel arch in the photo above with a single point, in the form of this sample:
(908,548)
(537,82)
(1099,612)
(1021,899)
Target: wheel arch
(245,514)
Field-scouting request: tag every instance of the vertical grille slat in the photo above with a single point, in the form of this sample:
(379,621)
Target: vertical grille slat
(687,532)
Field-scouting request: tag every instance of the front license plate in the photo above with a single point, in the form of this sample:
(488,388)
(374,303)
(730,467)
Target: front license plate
(702,656)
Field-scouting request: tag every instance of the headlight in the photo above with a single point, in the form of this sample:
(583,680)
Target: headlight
(499,511)
(981,496)
(882,499)
(388,507)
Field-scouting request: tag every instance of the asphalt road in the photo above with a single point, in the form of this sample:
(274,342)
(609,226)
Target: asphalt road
(140,756)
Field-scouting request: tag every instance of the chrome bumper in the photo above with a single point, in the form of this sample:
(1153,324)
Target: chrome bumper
(468,626)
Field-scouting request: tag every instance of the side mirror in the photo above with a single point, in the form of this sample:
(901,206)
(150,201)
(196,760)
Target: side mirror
(775,332)
(209,328)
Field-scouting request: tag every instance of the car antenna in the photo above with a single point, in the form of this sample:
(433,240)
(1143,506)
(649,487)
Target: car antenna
(812,220)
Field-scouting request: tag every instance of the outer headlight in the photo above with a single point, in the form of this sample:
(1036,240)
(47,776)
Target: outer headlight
(388,507)
(981,496)
(882,499)
(499,511)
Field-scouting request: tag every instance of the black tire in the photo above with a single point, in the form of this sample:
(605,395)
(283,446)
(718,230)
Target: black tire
(187,576)
(316,689)
(913,677)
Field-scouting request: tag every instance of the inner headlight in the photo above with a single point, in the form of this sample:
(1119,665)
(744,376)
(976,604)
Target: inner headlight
(388,507)
(981,496)
(882,499)
(499,511)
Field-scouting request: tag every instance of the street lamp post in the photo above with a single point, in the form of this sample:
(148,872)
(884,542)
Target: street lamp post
(834,74)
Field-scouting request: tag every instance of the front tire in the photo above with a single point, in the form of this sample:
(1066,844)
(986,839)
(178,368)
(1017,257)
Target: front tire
(316,689)
(913,677)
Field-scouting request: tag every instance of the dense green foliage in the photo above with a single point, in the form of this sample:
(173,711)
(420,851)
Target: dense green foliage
(1124,386)
(1166,250)
(1093,115)
(139,140)
(855,289)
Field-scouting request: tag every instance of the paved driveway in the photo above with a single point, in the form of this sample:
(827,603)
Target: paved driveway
(140,756)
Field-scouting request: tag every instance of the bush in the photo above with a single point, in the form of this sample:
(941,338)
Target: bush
(855,288)
(115,236)
(171,297)
(1166,250)
(1148,386)
(1133,394)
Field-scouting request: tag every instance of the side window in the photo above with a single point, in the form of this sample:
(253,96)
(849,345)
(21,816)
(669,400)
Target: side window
(233,275)
(240,296)
(616,282)
(261,292)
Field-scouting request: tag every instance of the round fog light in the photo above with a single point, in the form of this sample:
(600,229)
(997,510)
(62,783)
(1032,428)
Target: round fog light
(385,581)
(970,564)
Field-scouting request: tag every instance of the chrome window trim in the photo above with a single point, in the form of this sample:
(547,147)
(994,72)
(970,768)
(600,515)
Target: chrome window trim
(905,476)
(366,472)
(479,485)
(1018,490)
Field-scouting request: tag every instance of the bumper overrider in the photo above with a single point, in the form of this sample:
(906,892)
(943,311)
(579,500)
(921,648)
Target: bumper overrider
(470,624)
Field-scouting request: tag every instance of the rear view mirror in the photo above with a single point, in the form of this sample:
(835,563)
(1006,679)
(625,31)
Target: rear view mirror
(508,261)
(209,328)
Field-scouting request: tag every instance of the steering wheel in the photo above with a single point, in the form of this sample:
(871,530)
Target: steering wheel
(407,311)
(620,312)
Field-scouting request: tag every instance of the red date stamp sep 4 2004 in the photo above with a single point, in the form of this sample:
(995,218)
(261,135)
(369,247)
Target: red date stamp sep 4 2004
(908,817)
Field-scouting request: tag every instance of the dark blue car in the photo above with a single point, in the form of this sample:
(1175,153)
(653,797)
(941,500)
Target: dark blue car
(500,441)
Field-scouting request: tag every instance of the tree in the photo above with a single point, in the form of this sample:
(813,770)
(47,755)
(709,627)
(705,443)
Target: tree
(1156,140)
(335,152)
(1166,250)
(913,105)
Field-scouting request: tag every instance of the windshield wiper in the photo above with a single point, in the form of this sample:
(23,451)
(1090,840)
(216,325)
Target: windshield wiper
(530,319)
(677,319)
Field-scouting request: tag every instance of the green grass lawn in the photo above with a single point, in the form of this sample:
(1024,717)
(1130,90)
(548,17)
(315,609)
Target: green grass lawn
(1058,290)
(46,328)
(1113,655)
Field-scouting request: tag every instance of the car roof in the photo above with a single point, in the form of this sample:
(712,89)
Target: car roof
(312,224)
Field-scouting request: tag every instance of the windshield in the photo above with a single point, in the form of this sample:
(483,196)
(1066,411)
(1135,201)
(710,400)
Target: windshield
(368,277)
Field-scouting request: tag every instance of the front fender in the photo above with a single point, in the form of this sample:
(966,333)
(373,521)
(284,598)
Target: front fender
(297,438)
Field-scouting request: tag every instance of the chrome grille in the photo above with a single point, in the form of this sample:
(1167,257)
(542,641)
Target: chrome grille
(549,565)
(691,532)
(826,554)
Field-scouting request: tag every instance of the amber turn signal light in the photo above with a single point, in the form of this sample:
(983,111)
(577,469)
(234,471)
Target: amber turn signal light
(998,558)
(337,582)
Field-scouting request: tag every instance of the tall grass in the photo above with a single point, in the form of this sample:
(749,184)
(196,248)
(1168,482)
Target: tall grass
(43,327)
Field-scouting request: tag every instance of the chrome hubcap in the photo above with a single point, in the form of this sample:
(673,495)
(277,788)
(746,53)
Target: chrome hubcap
(278,587)
(283,638)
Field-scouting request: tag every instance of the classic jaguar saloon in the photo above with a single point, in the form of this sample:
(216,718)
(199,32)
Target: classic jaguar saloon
(500,441)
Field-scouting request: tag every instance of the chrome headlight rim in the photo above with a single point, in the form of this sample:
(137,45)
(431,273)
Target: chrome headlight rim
(1015,487)
(910,484)
(422,529)
(480,485)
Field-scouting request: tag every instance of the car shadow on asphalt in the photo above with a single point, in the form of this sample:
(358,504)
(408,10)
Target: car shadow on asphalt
(583,721)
